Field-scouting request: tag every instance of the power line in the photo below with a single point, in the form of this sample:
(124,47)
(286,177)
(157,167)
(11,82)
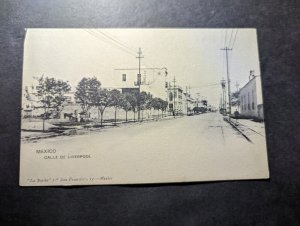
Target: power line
(104,40)
(234,38)
(197,87)
(116,41)
(119,40)
(119,43)
(225,38)
(230,37)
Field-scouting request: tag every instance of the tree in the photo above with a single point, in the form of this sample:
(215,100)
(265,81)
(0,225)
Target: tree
(51,95)
(144,100)
(125,102)
(164,105)
(86,93)
(115,101)
(132,99)
(149,102)
(156,104)
(235,98)
(102,100)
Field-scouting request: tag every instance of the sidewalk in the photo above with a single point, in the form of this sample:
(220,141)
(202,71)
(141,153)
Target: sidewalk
(248,124)
(251,130)
(33,130)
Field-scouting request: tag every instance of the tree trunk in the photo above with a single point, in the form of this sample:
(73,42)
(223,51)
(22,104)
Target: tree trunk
(142,115)
(115,116)
(134,116)
(126,115)
(101,121)
(44,118)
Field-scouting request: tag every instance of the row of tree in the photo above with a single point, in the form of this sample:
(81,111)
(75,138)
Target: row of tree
(90,94)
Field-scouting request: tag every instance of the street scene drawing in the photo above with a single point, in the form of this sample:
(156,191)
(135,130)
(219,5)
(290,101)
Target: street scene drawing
(127,106)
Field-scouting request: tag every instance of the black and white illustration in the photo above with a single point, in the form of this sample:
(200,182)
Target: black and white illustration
(124,106)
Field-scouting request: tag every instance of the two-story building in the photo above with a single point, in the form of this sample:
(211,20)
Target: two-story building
(176,99)
(151,80)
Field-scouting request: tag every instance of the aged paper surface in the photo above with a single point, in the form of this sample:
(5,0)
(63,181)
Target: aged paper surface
(124,106)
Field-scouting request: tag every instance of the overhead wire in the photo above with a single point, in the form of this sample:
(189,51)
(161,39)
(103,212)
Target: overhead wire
(234,38)
(115,40)
(97,36)
(230,37)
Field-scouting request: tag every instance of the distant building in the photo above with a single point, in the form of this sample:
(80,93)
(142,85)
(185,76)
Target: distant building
(32,106)
(152,80)
(176,100)
(251,104)
(188,103)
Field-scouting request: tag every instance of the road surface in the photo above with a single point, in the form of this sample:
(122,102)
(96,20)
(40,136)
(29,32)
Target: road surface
(194,148)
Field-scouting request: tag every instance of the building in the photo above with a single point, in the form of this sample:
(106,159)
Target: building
(152,80)
(176,100)
(251,104)
(188,103)
(31,104)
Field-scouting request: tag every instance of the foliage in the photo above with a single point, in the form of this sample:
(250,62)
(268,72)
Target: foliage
(115,98)
(51,94)
(102,100)
(87,92)
(125,101)
(235,98)
(145,100)
(156,103)
(133,101)
(164,105)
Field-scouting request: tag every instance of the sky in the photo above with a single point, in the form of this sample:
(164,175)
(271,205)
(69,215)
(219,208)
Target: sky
(193,56)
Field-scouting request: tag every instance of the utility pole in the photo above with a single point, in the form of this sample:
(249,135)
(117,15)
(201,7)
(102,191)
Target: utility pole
(187,100)
(139,77)
(223,84)
(174,82)
(237,85)
(228,79)
(198,95)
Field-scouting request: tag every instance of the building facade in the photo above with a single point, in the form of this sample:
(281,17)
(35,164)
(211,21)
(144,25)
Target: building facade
(251,104)
(152,80)
(176,100)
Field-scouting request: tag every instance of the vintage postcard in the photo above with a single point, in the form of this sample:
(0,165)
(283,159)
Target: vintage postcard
(134,106)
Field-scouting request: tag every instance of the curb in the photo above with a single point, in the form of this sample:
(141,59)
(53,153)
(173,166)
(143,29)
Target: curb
(236,128)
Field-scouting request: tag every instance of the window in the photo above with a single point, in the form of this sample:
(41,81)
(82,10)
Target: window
(124,77)
(171,96)
(242,102)
(248,101)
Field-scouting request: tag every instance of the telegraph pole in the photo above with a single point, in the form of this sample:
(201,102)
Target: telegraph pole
(237,85)
(198,95)
(139,78)
(174,82)
(228,79)
(187,100)
(223,84)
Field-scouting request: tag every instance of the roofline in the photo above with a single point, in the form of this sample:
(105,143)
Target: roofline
(249,82)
